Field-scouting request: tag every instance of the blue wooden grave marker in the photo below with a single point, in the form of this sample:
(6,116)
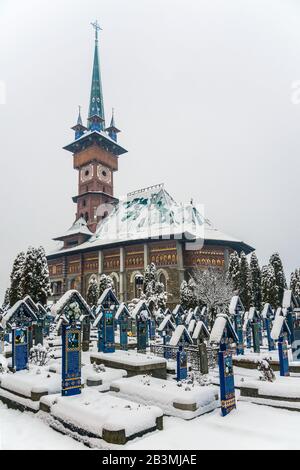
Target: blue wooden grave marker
(222,332)
(179,339)
(71,359)
(236,309)
(228,402)
(283,356)
(19,348)
(268,316)
(108,305)
(70,311)
(122,317)
(141,315)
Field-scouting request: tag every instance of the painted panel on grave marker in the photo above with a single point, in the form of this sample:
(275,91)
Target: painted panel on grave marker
(71,360)
(228,402)
(20,349)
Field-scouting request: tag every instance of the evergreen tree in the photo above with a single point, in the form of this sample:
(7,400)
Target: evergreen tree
(92,292)
(105,282)
(233,273)
(42,289)
(276,262)
(295,282)
(269,289)
(255,275)
(6,300)
(153,289)
(188,296)
(28,283)
(16,288)
(245,292)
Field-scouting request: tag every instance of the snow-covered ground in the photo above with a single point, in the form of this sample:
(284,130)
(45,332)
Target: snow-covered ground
(250,427)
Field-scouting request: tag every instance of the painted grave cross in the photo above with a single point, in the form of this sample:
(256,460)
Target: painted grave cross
(279,333)
(166,329)
(71,311)
(237,311)
(268,316)
(179,339)
(105,321)
(222,333)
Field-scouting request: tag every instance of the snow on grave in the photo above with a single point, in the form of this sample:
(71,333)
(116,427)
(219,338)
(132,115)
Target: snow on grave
(186,402)
(27,387)
(283,393)
(134,363)
(102,416)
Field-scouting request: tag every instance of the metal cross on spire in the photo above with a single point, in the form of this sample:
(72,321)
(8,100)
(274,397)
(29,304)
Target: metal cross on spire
(97,28)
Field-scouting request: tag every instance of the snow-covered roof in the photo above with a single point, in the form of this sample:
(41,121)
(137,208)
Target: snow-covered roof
(166,323)
(108,294)
(235,305)
(178,310)
(190,316)
(122,309)
(79,227)
(20,307)
(69,297)
(191,326)
(222,321)
(279,325)
(152,213)
(180,334)
(140,307)
(200,330)
(253,314)
(267,311)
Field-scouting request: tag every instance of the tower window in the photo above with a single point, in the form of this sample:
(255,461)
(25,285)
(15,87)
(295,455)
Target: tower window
(84,203)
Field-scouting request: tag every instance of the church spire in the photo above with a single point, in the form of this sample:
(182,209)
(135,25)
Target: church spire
(96,119)
(112,130)
(79,128)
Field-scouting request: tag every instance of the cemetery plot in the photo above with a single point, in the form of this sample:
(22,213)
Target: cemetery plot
(133,363)
(284,392)
(183,401)
(26,388)
(102,416)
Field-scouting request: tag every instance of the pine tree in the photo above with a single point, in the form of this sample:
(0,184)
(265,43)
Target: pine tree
(41,279)
(276,262)
(92,292)
(245,282)
(28,283)
(269,289)
(16,288)
(295,282)
(6,301)
(105,282)
(255,275)
(153,289)
(188,296)
(233,273)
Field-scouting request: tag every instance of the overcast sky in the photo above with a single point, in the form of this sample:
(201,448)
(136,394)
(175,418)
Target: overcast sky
(203,92)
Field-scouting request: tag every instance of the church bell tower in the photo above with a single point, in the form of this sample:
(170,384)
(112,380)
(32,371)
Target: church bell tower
(95,153)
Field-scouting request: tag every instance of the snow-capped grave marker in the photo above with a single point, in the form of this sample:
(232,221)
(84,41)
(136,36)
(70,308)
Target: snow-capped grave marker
(166,329)
(222,332)
(247,330)
(141,315)
(279,333)
(179,338)
(255,322)
(20,317)
(32,328)
(267,316)
(122,317)
(178,313)
(289,304)
(237,310)
(71,310)
(200,335)
(105,321)
(19,349)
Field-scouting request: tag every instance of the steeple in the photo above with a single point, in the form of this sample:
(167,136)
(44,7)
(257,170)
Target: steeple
(79,128)
(96,119)
(112,130)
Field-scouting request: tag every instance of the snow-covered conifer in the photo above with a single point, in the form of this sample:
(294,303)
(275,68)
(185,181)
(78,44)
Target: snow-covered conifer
(276,262)
(92,292)
(233,273)
(269,289)
(255,275)
(16,289)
